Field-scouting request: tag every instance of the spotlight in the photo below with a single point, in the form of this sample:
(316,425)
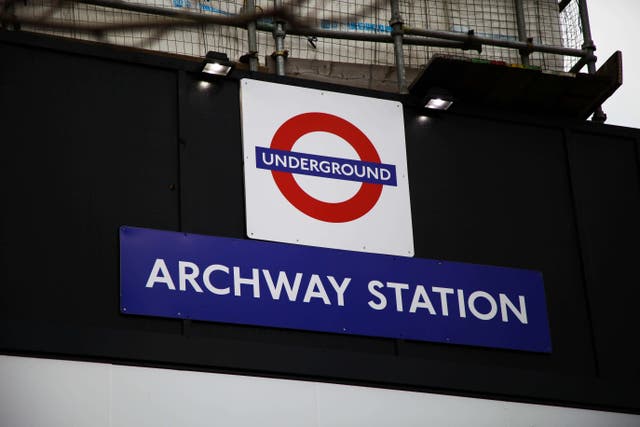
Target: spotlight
(438,104)
(217,63)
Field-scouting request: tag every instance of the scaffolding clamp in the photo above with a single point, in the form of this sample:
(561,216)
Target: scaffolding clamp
(471,43)
(245,58)
(279,30)
(282,53)
(397,26)
(526,51)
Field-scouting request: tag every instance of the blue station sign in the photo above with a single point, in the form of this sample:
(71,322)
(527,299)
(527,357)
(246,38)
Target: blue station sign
(249,282)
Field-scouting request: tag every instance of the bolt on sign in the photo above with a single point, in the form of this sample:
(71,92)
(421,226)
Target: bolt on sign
(325,169)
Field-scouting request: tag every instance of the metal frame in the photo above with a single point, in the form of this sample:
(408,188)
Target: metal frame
(522,30)
(400,36)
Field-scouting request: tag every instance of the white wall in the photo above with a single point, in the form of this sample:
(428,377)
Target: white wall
(52,393)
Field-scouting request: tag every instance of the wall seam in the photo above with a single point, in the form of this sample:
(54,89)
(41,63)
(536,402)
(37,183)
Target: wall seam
(568,137)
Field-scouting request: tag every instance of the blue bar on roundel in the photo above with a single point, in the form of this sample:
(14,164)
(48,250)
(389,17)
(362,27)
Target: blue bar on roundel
(324,166)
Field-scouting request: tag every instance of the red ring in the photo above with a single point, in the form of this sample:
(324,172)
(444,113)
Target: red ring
(355,207)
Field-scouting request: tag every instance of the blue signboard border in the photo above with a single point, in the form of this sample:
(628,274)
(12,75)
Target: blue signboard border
(394,278)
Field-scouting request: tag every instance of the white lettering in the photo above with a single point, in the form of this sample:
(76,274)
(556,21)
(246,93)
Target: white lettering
(316,283)
(373,286)
(372,172)
(340,288)
(421,300)
(304,164)
(474,310)
(264,158)
(281,160)
(344,170)
(521,314)
(294,163)
(443,298)
(184,276)
(253,281)
(398,287)
(206,278)
(461,306)
(160,267)
(362,171)
(283,281)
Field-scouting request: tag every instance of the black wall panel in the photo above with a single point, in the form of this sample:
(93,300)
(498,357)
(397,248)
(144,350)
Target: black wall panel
(111,139)
(212,188)
(607,190)
(490,192)
(88,148)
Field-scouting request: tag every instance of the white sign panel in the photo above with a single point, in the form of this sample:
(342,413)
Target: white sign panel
(325,169)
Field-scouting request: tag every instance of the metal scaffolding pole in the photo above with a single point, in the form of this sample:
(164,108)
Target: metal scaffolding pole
(586,35)
(278,36)
(522,31)
(251,37)
(397,26)
(376,38)
(473,40)
(590,47)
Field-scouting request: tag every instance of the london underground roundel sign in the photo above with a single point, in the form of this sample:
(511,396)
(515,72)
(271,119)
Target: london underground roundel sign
(325,169)
(348,210)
